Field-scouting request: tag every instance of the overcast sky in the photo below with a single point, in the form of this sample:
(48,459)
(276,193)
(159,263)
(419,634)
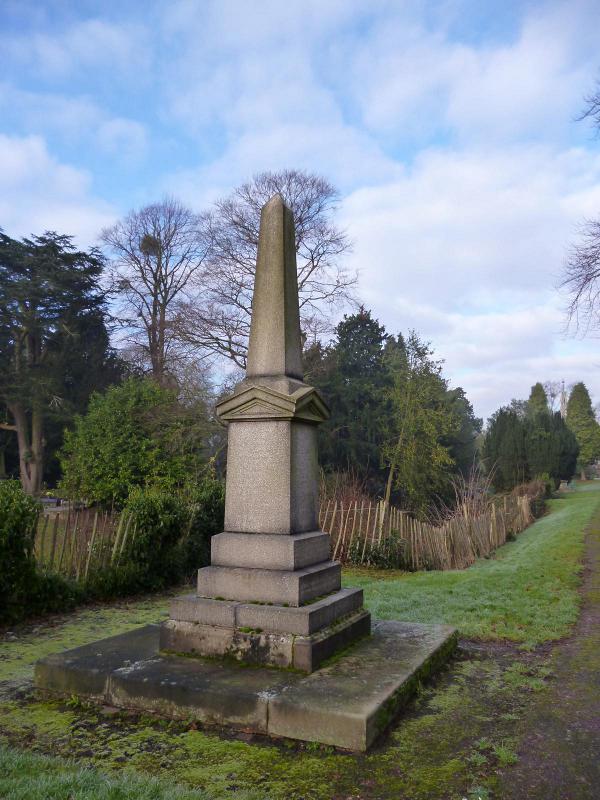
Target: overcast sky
(447,126)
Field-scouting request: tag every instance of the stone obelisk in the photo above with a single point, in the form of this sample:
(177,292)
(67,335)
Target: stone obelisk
(271,595)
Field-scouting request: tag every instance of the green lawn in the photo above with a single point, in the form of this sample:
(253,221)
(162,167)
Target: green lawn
(24,776)
(527,592)
(449,744)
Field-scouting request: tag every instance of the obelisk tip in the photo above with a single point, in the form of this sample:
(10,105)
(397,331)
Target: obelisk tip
(276,201)
(275,345)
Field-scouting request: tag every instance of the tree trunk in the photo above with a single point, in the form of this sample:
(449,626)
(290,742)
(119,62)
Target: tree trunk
(583,476)
(31,445)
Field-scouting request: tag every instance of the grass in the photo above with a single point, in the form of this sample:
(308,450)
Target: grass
(527,592)
(24,776)
(451,741)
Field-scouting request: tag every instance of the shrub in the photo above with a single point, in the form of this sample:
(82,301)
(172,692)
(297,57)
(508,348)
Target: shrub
(133,435)
(23,591)
(152,556)
(390,553)
(206,509)
(18,519)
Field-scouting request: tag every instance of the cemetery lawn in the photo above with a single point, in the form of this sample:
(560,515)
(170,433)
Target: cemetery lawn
(459,739)
(526,592)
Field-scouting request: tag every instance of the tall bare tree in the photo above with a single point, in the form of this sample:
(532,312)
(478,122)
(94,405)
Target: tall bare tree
(581,278)
(218,320)
(155,254)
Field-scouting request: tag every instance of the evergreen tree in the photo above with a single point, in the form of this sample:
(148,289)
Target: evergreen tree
(353,378)
(567,446)
(419,463)
(462,442)
(135,434)
(519,448)
(538,400)
(504,449)
(582,421)
(53,342)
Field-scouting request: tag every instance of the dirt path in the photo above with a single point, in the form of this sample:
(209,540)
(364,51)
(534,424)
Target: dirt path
(559,756)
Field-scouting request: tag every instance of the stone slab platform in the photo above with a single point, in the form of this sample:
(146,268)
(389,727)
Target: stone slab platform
(347,704)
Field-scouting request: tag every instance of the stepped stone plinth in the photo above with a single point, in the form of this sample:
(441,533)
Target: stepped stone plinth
(272,595)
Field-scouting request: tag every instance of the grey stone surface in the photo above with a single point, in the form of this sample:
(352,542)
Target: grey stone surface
(270,586)
(275,343)
(85,670)
(267,551)
(347,704)
(258,647)
(192,638)
(301,621)
(272,477)
(311,651)
(191,608)
(350,703)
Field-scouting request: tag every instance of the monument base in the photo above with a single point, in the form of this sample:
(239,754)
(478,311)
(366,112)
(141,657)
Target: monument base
(300,637)
(347,703)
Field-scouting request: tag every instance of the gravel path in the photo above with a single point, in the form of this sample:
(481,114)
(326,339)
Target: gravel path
(559,756)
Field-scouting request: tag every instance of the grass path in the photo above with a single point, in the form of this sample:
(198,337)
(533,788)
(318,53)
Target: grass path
(527,592)
(452,743)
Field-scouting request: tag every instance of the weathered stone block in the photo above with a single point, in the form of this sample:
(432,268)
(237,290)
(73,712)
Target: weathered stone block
(311,651)
(270,586)
(192,638)
(272,477)
(84,671)
(205,610)
(303,620)
(255,646)
(268,551)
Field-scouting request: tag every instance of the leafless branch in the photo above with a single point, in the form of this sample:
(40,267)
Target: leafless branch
(217,318)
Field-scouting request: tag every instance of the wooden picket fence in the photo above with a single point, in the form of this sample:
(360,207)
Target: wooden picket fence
(75,543)
(373,534)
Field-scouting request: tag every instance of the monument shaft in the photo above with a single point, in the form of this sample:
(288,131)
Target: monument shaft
(271,595)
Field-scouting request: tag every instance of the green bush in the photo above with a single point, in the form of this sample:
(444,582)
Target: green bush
(18,520)
(152,557)
(390,553)
(206,509)
(133,435)
(50,594)
(23,591)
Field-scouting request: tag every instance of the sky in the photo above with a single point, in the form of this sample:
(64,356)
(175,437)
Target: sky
(450,129)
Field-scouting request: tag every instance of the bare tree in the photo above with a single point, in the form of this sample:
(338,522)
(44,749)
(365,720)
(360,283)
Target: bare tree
(156,252)
(553,390)
(218,321)
(582,267)
(591,110)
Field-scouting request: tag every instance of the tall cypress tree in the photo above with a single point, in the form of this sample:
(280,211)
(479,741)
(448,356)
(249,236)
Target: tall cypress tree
(582,421)
(505,451)
(538,400)
(353,378)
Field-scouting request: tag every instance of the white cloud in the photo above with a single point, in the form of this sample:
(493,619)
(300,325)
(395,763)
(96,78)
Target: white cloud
(38,193)
(86,45)
(123,138)
(467,247)
(74,119)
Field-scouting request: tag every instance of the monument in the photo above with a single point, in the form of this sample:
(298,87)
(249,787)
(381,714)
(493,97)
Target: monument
(272,597)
